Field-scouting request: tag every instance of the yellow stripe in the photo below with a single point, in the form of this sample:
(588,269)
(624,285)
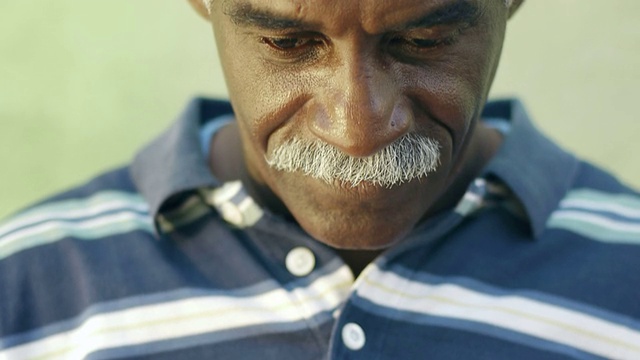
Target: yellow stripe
(115,329)
(497,308)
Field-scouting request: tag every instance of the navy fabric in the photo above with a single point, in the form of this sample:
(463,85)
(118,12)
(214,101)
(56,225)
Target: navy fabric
(159,260)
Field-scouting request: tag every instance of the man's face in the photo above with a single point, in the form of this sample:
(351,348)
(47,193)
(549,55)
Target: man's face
(352,78)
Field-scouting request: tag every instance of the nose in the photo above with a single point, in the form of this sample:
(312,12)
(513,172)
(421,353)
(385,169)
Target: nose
(363,110)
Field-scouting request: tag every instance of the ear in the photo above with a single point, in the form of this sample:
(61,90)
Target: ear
(515,5)
(200,7)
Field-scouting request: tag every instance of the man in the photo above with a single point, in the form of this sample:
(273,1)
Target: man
(358,198)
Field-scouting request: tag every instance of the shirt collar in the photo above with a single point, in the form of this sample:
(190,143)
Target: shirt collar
(173,163)
(536,170)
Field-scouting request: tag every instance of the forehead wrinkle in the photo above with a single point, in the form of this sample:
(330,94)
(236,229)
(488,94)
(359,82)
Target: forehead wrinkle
(335,17)
(380,16)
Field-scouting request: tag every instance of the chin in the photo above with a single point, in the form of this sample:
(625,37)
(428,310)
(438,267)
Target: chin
(366,243)
(361,217)
(360,233)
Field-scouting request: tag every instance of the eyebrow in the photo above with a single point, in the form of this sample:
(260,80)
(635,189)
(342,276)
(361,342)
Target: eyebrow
(457,12)
(247,15)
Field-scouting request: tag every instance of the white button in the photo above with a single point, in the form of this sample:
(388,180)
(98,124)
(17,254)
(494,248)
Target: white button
(231,213)
(300,261)
(353,336)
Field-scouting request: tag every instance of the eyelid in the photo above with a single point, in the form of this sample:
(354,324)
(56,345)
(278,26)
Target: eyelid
(271,41)
(307,51)
(407,43)
(439,32)
(434,31)
(304,35)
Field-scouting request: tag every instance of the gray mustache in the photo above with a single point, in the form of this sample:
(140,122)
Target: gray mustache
(410,157)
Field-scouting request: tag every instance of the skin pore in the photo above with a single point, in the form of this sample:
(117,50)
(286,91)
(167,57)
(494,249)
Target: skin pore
(356,75)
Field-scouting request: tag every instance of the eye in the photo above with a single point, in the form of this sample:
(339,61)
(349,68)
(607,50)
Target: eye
(288,43)
(422,41)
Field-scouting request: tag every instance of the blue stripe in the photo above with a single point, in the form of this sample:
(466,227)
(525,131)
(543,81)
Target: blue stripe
(77,219)
(50,209)
(126,303)
(475,285)
(625,199)
(473,327)
(158,298)
(603,213)
(65,229)
(591,230)
(208,338)
(330,267)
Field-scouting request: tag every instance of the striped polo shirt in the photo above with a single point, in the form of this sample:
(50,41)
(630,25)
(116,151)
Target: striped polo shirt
(539,260)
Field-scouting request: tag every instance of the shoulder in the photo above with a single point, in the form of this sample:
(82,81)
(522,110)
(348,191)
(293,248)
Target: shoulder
(105,205)
(600,208)
(53,254)
(593,239)
(587,249)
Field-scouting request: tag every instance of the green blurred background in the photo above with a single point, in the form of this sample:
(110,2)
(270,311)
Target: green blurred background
(83,84)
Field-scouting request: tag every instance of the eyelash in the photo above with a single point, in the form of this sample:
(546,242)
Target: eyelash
(428,44)
(300,44)
(304,45)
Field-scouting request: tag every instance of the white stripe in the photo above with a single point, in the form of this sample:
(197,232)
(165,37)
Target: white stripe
(472,197)
(599,220)
(469,203)
(251,211)
(515,313)
(222,194)
(600,206)
(52,231)
(189,317)
(82,209)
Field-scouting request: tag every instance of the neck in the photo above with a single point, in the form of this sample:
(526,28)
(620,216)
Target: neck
(357,260)
(225,155)
(226,161)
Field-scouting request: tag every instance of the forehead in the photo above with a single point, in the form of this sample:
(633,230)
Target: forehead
(374,16)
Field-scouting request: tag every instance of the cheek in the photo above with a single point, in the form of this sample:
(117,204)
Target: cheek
(452,93)
(264,99)
(260,94)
